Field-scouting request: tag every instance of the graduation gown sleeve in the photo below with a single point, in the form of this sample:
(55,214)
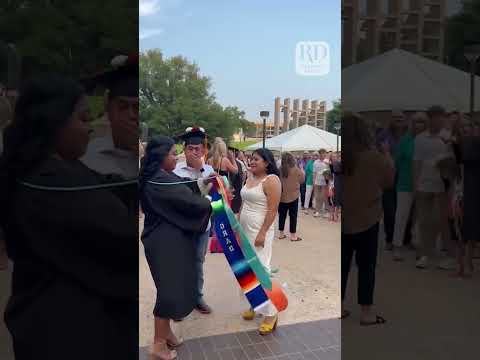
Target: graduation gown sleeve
(178,204)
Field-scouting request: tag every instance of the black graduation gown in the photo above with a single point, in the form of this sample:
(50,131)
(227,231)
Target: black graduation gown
(174,216)
(75,280)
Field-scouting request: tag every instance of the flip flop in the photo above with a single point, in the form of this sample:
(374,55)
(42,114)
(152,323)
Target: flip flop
(378,321)
(282,237)
(297,239)
(173,345)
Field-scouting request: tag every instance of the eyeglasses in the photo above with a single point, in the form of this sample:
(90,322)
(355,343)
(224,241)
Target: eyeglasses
(191,148)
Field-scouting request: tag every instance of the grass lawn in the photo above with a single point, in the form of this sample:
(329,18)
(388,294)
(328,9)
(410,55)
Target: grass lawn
(243,145)
(237,145)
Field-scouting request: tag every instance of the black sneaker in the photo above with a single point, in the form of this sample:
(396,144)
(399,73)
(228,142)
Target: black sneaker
(203,308)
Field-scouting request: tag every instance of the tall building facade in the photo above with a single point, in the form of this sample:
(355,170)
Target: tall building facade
(269,131)
(289,114)
(372,27)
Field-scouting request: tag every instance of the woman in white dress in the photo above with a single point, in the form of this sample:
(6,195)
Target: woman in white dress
(261,197)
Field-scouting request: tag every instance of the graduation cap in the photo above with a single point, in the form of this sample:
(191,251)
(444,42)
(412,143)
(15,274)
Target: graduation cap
(193,136)
(121,79)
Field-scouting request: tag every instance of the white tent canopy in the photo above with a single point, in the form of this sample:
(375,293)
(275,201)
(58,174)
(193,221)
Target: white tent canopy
(303,138)
(402,80)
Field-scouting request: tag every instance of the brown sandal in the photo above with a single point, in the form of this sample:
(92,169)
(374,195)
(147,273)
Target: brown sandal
(297,239)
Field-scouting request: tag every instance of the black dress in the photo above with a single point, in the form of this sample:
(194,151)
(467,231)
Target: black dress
(75,279)
(336,169)
(174,216)
(470,152)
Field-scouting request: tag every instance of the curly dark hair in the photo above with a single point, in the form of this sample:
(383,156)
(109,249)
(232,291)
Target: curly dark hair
(155,153)
(43,108)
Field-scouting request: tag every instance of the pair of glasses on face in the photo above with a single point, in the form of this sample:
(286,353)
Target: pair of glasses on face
(195,149)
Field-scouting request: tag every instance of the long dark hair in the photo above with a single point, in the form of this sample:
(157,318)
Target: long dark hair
(268,157)
(288,162)
(356,137)
(155,154)
(45,105)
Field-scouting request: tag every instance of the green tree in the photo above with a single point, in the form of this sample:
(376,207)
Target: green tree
(334,116)
(462,28)
(72,37)
(174,95)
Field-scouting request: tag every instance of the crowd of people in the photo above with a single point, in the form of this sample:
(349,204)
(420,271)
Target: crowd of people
(418,173)
(174,199)
(176,204)
(432,204)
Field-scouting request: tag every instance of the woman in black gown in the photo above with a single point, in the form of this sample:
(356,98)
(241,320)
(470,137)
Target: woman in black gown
(74,291)
(175,213)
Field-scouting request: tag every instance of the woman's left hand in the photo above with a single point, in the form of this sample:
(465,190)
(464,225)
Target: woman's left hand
(260,239)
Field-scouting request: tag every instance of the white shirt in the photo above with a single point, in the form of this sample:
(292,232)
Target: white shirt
(185,171)
(319,166)
(429,149)
(103,157)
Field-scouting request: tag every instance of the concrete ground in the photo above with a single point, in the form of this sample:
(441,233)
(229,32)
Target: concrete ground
(309,268)
(429,314)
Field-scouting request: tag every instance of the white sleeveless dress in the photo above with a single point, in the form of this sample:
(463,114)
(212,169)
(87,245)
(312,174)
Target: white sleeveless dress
(252,216)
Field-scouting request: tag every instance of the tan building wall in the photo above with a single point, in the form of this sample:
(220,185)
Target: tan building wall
(372,27)
(299,113)
(269,131)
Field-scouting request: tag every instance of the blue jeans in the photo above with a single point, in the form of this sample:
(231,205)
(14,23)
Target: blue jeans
(202,247)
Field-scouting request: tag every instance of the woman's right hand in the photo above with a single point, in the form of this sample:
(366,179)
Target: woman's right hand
(204,187)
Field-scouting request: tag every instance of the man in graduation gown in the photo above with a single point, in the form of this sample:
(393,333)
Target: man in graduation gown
(194,167)
(115,155)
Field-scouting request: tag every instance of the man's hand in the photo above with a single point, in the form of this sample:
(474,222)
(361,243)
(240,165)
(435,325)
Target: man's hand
(204,187)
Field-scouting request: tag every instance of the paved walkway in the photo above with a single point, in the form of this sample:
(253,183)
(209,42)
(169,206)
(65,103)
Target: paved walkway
(310,269)
(317,340)
(429,315)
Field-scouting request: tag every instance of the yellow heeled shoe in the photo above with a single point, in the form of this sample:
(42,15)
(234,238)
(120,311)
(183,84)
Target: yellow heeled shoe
(266,328)
(248,315)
